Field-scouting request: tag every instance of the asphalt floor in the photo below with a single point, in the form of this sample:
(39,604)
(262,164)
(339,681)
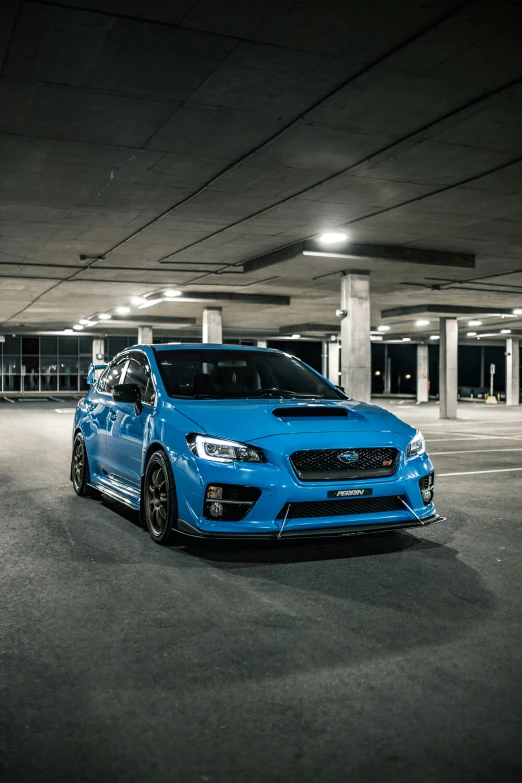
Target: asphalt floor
(394,657)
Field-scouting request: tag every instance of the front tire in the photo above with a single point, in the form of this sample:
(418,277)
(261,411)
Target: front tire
(160,506)
(80,467)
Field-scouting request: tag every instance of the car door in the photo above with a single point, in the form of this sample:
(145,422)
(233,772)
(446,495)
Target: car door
(127,428)
(99,403)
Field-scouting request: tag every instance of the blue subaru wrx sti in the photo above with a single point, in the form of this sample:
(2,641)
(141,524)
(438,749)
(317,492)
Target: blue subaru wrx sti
(229,441)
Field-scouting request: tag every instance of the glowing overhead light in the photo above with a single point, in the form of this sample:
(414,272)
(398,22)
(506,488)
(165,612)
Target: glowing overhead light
(505,331)
(78,327)
(149,303)
(84,322)
(68,331)
(377,372)
(407,376)
(435,337)
(332,237)
(138,300)
(406,339)
(421,323)
(104,317)
(383,328)
(91,323)
(474,323)
(518,311)
(123,310)
(172,292)
(471,334)
(296,336)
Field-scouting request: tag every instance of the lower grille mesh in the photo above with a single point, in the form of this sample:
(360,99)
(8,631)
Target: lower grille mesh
(341,508)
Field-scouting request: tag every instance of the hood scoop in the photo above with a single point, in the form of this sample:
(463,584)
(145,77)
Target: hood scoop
(310,412)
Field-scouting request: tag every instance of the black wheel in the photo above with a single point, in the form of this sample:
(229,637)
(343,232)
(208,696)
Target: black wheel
(160,507)
(80,467)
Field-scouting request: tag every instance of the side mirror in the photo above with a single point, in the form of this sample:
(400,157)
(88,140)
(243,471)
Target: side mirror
(128,392)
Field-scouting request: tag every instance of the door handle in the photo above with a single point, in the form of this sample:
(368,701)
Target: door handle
(112,416)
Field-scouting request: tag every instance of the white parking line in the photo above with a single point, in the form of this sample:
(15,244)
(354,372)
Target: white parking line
(64,410)
(473,472)
(470,451)
(475,437)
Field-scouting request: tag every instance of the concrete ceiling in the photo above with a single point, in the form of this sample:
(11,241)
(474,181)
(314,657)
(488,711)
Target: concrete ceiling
(153,145)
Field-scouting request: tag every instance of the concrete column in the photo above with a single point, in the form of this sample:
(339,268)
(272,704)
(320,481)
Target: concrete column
(145,336)
(98,349)
(482,366)
(356,357)
(512,371)
(212,325)
(422,373)
(387,371)
(333,363)
(324,358)
(261,343)
(448,378)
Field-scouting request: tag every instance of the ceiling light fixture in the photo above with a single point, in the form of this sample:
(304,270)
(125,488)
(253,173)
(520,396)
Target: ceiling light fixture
(138,300)
(149,303)
(78,327)
(84,322)
(332,237)
(422,322)
(406,339)
(471,334)
(383,328)
(68,331)
(505,331)
(435,337)
(474,323)
(104,317)
(517,311)
(172,292)
(123,310)
(296,336)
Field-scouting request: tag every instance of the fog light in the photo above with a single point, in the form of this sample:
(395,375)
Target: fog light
(427,495)
(214,493)
(216,509)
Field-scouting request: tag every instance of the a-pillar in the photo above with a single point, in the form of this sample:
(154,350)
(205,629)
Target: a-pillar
(356,356)
(212,325)
(98,350)
(512,371)
(145,336)
(333,362)
(422,373)
(448,368)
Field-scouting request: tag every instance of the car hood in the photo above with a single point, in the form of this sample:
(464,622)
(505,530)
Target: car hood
(247,420)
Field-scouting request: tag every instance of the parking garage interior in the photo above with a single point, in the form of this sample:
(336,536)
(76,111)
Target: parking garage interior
(338,181)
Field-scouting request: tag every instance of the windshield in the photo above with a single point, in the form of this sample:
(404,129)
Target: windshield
(230,374)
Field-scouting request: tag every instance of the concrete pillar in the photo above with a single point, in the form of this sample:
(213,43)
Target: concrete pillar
(98,349)
(448,376)
(261,343)
(145,335)
(512,371)
(387,371)
(324,358)
(356,356)
(422,373)
(212,325)
(333,363)
(482,366)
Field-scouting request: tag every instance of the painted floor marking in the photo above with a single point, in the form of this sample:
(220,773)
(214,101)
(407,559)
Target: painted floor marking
(474,472)
(470,451)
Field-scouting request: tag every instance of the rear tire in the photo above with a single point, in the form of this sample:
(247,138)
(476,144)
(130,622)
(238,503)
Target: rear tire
(159,503)
(80,467)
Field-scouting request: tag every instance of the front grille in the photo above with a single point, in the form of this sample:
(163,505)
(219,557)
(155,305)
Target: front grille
(325,465)
(341,508)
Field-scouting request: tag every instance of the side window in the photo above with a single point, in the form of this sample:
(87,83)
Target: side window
(138,372)
(111,376)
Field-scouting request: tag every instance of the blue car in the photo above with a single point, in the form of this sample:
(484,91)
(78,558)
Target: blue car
(232,441)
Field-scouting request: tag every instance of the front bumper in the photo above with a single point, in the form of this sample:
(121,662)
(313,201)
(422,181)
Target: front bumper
(280,487)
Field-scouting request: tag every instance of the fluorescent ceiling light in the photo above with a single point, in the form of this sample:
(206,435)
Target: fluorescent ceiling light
(435,337)
(84,322)
(138,300)
(518,311)
(471,334)
(172,292)
(421,323)
(123,310)
(505,331)
(383,328)
(296,336)
(331,237)
(376,338)
(324,254)
(104,317)
(68,331)
(406,339)
(474,323)
(78,327)
(149,303)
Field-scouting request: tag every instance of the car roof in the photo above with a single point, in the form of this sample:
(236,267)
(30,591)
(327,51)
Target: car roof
(202,347)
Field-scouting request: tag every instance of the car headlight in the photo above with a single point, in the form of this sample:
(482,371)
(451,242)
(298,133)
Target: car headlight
(221,450)
(416,445)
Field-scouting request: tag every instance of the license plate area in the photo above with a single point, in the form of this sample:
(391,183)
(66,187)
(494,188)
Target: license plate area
(349,493)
